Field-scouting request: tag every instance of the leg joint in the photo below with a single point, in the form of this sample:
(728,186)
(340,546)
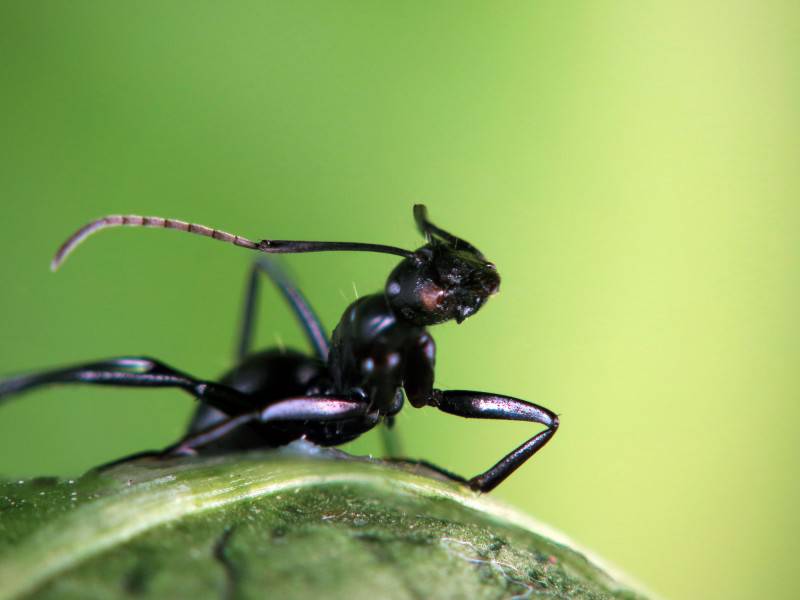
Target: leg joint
(555,423)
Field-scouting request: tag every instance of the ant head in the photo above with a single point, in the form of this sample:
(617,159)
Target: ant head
(446,279)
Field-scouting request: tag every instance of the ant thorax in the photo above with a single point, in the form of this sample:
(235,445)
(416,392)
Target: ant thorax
(369,351)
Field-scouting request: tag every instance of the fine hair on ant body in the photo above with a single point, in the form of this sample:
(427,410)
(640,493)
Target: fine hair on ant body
(380,353)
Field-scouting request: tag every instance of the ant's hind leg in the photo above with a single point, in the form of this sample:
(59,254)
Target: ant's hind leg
(480,405)
(308,409)
(308,319)
(131,372)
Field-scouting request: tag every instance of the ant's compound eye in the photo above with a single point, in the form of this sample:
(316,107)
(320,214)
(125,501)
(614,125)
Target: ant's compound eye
(431,296)
(417,293)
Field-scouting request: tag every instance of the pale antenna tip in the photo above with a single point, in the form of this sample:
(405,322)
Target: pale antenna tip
(60,257)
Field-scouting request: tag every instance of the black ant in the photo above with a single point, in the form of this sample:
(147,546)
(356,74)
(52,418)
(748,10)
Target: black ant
(354,381)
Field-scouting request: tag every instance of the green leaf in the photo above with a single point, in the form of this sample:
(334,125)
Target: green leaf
(279,525)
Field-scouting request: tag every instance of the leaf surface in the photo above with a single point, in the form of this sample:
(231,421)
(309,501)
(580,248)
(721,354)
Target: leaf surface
(279,525)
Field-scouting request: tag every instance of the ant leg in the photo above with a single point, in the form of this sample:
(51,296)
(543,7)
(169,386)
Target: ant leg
(133,372)
(423,465)
(392,444)
(479,405)
(303,408)
(309,320)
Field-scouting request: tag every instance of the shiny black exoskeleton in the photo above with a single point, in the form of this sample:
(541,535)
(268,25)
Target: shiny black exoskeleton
(379,353)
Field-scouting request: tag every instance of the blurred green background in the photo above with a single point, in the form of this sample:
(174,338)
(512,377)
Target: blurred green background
(631,167)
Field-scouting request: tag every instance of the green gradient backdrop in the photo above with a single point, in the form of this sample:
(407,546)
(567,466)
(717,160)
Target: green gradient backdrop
(631,167)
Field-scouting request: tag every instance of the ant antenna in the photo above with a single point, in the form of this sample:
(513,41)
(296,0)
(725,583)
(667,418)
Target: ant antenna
(431,232)
(267,246)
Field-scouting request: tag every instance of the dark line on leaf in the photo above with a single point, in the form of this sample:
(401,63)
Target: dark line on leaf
(134,583)
(221,556)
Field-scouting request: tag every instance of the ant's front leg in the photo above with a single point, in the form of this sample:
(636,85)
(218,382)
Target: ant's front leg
(480,405)
(313,409)
(390,440)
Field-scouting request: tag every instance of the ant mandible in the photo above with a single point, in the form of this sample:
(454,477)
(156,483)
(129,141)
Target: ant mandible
(380,349)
